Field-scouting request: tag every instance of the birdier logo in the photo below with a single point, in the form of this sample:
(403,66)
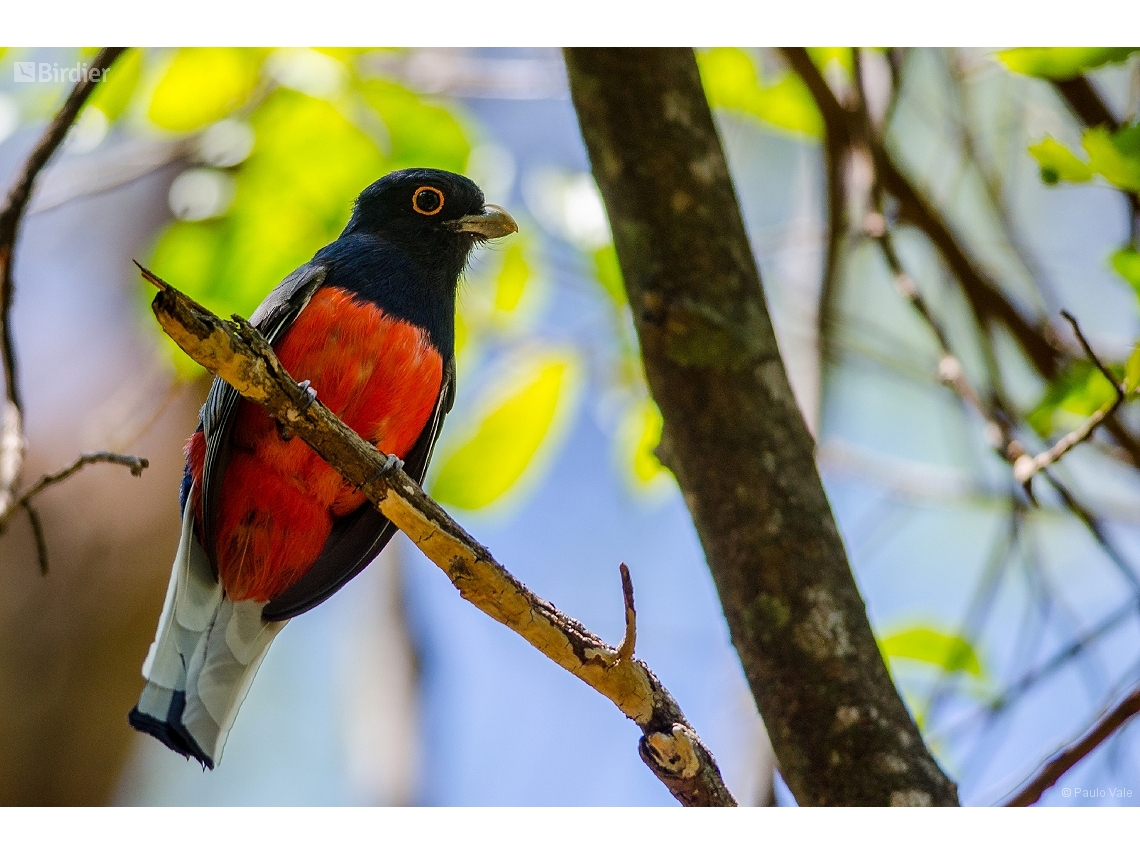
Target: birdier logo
(53,72)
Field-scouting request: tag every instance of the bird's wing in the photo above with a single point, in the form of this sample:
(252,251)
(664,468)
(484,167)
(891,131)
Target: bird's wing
(272,318)
(357,538)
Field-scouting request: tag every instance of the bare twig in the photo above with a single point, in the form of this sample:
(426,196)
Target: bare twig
(136,465)
(1071,755)
(629,640)
(1025,467)
(238,354)
(12,441)
(38,534)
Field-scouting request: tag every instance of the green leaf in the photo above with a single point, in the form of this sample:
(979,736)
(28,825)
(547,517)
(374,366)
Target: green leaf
(1116,156)
(821,56)
(732,82)
(1060,63)
(638,437)
(114,93)
(202,85)
(947,651)
(1058,163)
(608,273)
(1132,370)
(516,432)
(1126,262)
(1079,392)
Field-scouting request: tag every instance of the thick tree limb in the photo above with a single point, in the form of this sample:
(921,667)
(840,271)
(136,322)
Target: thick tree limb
(12,440)
(736,440)
(239,354)
(1071,755)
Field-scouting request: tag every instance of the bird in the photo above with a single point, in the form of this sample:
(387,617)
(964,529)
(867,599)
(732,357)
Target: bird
(269,529)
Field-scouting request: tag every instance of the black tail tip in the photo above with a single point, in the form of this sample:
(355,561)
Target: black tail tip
(171,733)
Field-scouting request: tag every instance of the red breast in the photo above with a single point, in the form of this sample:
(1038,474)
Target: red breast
(278,498)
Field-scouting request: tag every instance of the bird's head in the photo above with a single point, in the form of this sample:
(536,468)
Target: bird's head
(429,212)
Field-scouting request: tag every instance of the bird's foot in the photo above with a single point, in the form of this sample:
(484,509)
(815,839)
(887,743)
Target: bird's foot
(310,392)
(392,463)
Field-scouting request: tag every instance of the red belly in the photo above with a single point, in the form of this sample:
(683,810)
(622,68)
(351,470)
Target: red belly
(279,499)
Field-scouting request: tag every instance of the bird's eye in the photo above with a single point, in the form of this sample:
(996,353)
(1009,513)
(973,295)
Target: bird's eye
(427,200)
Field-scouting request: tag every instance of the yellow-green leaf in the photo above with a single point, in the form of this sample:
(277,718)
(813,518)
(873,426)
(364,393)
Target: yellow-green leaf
(1058,163)
(516,433)
(821,56)
(608,273)
(947,651)
(1060,63)
(1080,391)
(1126,262)
(202,85)
(1115,156)
(1132,369)
(638,437)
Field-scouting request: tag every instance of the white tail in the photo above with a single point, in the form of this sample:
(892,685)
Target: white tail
(203,659)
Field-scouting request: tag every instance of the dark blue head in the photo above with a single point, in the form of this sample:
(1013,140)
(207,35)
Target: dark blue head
(433,215)
(407,243)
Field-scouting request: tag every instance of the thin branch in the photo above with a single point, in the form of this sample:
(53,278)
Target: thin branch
(629,640)
(12,441)
(1071,755)
(40,538)
(238,354)
(1026,467)
(986,299)
(135,464)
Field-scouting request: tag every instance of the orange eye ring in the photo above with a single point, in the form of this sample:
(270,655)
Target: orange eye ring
(418,207)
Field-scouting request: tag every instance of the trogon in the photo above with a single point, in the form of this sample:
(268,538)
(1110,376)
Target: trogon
(269,530)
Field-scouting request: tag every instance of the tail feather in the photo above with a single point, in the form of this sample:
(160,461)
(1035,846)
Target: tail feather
(203,659)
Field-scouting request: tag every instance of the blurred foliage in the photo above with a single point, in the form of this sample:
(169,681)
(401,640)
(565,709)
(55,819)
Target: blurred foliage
(114,94)
(201,85)
(607,272)
(1075,395)
(1061,63)
(1126,262)
(516,429)
(733,81)
(947,651)
(639,434)
(1115,156)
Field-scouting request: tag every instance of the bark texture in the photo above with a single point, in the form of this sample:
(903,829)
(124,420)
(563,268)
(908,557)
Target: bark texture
(736,440)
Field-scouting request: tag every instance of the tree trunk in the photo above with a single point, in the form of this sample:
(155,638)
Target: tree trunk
(736,441)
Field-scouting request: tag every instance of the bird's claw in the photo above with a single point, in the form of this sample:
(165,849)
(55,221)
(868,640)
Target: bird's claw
(392,463)
(310,392)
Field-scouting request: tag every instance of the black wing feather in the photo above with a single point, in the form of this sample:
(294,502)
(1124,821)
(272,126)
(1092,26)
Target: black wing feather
(272,318)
